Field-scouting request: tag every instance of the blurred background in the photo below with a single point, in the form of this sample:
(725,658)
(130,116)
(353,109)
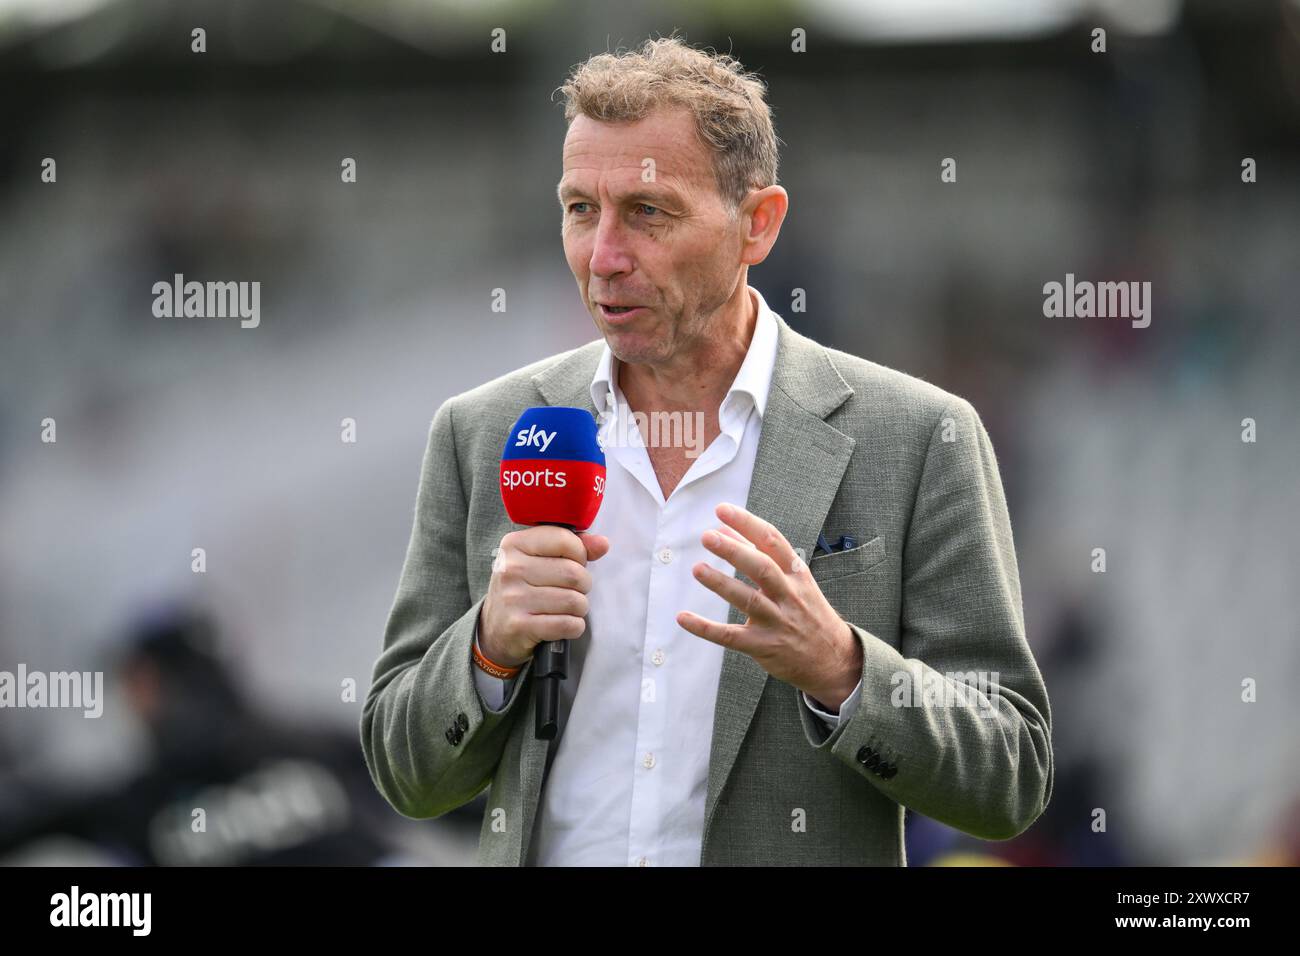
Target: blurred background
(376,305)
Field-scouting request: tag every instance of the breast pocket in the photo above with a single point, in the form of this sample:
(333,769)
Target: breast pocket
(829,567)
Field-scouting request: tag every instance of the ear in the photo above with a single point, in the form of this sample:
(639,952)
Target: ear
(762,213)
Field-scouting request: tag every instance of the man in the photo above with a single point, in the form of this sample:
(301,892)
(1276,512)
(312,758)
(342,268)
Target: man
(784,632)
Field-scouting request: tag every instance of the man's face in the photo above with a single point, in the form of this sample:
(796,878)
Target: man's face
(667,245)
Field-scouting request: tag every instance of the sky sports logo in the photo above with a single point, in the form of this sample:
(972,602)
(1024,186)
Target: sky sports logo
(535,437)
(533,478)
(553,448)
(512,478)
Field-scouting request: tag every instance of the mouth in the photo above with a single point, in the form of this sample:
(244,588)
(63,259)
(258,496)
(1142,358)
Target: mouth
(619,312)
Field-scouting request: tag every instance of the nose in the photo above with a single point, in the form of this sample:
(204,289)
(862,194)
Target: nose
(609,252)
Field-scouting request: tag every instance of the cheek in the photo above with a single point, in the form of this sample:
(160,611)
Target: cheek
(577,253)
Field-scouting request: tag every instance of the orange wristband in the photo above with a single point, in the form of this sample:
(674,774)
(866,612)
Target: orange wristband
(493,668)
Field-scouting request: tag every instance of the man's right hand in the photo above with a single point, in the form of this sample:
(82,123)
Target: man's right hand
(538,591)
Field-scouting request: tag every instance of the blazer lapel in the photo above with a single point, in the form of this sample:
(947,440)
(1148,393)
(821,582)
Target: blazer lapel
(568,381)
(797,472)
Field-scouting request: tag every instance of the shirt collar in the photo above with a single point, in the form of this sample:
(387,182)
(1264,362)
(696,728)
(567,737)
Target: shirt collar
(754,380)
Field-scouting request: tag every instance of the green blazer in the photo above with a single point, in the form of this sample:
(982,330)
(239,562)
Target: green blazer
(953,721)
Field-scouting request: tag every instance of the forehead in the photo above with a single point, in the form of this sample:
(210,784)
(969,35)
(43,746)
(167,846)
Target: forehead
(594,150)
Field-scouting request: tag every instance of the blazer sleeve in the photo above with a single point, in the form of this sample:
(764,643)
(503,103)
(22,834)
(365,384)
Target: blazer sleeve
(955,724)
(430,743)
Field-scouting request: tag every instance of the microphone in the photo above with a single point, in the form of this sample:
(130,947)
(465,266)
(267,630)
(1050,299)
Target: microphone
(552,472)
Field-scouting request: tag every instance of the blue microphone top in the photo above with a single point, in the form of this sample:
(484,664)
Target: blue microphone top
(554,431)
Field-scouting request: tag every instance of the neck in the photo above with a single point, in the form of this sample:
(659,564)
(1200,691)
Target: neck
(696,378)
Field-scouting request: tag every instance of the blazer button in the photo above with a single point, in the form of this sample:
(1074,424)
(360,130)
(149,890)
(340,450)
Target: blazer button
(463,721)
(450,734)
(863,754)
(889,771)
(872,762)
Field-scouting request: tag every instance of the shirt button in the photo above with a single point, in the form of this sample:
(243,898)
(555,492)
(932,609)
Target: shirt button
(665,555)
(643,862)
(658,657)
(648,760)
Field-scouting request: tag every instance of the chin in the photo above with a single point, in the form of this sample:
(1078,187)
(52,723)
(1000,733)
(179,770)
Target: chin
(634,348)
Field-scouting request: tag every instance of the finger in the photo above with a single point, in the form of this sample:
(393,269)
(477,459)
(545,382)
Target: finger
(551,541)
(751,562)
(551,600)
(733,533)
(556,627)
(799,563)
(747,600)
(763,534)
(597,545)
(728,635)
(555,573)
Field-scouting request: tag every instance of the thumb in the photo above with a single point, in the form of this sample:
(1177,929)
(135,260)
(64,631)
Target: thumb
(597,545)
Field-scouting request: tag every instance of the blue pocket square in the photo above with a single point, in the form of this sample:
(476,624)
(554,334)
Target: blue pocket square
(846,542)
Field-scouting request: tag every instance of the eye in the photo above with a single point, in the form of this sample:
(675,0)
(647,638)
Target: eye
(572,208)
(642,205)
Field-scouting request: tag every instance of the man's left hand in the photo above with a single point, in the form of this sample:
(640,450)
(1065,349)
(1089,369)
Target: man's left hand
(790,629)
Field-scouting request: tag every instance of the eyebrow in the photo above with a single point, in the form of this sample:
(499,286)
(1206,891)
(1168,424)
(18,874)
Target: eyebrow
(564,192)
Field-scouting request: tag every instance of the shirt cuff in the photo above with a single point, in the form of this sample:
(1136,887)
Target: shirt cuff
(846,709)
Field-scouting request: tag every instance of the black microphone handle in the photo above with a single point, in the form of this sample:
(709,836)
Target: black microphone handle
(550,666)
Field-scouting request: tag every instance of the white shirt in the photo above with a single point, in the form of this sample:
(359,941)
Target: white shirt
(630,768)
